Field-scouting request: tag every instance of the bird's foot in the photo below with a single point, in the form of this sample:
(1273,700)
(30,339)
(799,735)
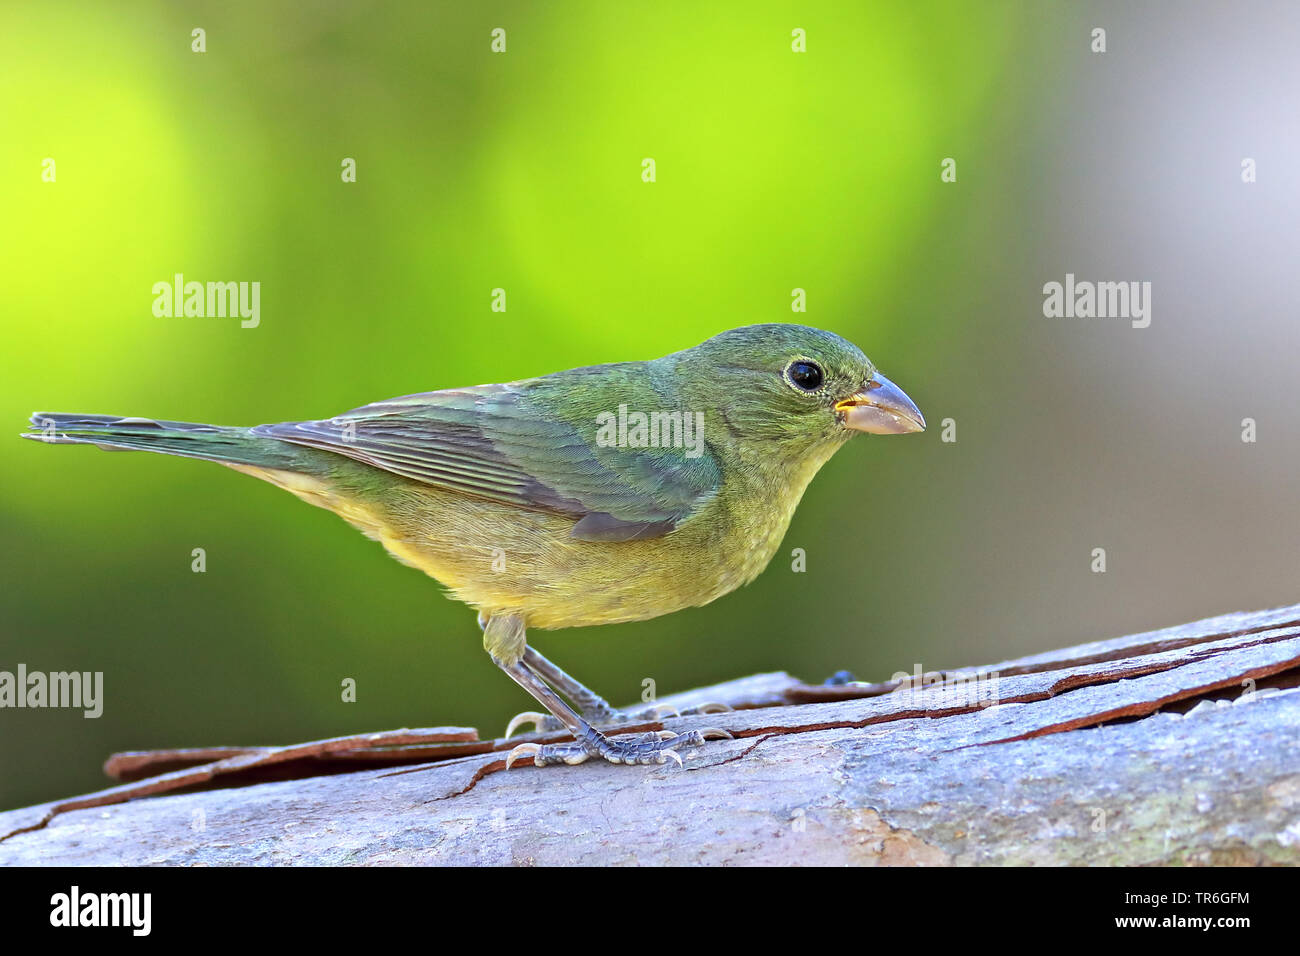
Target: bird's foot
(655,747)
(611,717)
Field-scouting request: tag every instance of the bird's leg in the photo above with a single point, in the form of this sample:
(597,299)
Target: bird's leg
(505,643)
(594,708)
(588,741)
(591,705)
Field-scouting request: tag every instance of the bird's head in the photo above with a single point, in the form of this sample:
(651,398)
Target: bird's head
(794,385)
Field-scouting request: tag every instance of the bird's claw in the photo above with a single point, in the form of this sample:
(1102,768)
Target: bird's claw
(541,722)
(546,723)
(660,711)
(520,751)
(653,712)
(713,707)
(656,747)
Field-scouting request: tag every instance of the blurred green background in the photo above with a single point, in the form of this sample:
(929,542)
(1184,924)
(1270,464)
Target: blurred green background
(522,170)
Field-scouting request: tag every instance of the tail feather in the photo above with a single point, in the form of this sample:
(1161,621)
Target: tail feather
(187,439)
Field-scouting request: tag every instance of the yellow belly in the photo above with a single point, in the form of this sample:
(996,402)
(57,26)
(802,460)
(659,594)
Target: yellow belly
(502,559)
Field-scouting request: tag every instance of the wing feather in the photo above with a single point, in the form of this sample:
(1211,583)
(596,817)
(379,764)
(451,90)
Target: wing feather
(501,443)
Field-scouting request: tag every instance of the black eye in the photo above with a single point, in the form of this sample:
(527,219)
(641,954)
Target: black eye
(805,375)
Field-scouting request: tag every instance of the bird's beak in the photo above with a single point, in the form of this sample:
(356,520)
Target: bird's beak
(881,409)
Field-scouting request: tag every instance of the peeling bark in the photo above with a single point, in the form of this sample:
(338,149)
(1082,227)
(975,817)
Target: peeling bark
(1174,746)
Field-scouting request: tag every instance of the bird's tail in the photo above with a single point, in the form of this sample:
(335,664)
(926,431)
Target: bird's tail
(211,442)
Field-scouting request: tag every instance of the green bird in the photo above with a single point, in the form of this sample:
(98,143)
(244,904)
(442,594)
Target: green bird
(591,496)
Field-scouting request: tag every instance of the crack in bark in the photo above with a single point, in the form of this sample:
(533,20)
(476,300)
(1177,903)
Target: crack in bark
(1067,684)
(1146,708)
(1155,647)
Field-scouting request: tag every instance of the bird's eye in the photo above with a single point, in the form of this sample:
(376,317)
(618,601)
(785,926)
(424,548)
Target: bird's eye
(805,375)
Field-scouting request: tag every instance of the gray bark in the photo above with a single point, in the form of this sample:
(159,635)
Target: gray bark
(1171,747)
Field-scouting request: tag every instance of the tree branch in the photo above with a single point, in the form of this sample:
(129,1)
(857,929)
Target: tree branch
(1174,746)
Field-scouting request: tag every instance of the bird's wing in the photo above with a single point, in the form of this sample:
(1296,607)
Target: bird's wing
(520,446)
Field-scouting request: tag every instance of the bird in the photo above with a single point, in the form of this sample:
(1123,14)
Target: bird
(597,495)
